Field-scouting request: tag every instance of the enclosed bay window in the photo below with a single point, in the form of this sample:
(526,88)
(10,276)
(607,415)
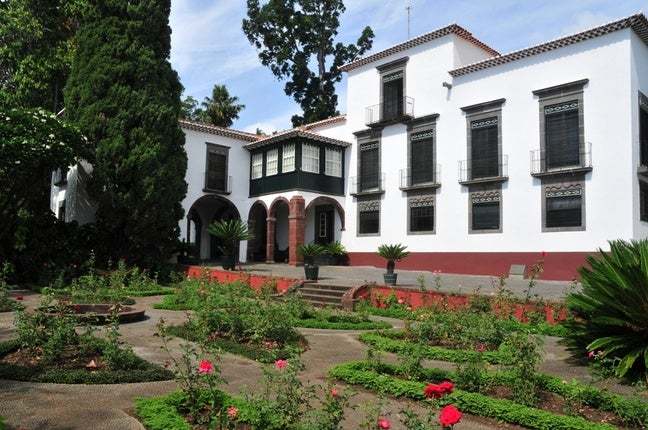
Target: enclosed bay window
(272,162)
(310,158)
(369,217)
(288,158)
(257,165)
(421,214)
(333,162)
(564,207)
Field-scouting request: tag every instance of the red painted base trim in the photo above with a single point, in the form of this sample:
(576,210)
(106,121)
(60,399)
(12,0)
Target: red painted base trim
(559,266)
(255,282)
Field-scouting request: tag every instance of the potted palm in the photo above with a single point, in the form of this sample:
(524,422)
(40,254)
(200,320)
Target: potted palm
(392,253)
(231,233)
(309,252)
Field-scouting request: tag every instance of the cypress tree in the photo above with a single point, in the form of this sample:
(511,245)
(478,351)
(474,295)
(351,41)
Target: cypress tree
(125,97)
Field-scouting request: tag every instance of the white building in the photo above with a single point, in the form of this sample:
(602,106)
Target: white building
(473,159)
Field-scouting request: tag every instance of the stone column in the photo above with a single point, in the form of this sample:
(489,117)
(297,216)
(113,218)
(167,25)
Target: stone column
(271,223)
(296,228)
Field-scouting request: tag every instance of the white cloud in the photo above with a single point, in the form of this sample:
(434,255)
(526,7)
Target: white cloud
(270,125)
(585,20)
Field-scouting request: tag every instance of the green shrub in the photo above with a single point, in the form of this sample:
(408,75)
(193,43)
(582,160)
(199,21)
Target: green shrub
(611,308)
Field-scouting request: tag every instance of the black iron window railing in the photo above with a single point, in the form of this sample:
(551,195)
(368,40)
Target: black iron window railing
(552,160)
(483,169)
(389,110)
(411,178)
(218,183)
(367,184)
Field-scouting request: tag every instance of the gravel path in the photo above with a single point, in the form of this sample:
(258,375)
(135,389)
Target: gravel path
(58,406)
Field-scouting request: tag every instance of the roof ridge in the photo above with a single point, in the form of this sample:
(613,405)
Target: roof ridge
(558,42)
(453,28)
(228,132)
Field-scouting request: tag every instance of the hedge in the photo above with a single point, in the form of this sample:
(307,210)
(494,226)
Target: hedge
(2,424)
(471,403)
(341,325)
(384,342)
(145,372)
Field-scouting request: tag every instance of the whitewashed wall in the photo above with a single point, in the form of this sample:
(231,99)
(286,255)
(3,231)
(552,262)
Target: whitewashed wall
(639,81)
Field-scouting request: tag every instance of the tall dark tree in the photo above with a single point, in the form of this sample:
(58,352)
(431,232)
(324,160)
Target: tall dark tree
(125,97)
(221,109)
(36,50)
(292,35)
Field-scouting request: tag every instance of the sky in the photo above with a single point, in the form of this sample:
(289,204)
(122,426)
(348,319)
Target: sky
(209,47)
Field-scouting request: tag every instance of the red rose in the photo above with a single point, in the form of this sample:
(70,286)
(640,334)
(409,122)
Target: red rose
(334,393)
(433,391)
(19,298)
(447,387)
(205,367)
(449,416)
(281,364)
(384,424)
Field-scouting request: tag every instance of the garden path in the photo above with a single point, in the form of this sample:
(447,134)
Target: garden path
(56,406)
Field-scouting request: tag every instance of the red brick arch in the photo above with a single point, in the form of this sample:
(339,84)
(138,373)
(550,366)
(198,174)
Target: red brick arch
(329,201)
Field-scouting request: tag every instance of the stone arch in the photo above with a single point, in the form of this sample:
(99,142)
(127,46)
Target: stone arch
(257,224)
(324,200)
(203,212)
(272,212)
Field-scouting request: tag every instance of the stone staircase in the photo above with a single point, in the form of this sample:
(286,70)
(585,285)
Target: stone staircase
(323,294)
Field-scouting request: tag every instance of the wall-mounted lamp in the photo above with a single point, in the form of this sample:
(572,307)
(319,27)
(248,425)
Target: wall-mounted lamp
(447,85)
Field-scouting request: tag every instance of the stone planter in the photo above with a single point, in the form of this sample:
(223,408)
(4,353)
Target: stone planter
(311,271)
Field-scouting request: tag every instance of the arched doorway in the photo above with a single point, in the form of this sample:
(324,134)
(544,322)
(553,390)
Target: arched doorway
(279,211)
(257,225)
(324,220)
(204,211)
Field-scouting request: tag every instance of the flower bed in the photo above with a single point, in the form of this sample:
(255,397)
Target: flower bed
(388,379)
(73,367)
(393,341)
(256,282)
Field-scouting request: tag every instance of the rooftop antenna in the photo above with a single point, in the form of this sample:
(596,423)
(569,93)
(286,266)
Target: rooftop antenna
(408,8)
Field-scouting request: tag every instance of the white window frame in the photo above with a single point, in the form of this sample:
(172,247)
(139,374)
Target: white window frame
(333,165)
(272,162)
(288,158)
(257,165)
(310,158)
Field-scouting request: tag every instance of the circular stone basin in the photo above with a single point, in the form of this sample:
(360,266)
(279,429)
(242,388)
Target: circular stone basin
(100,313)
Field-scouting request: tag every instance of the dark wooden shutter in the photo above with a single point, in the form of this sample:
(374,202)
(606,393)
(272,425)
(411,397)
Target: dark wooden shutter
(392,96)
(422,218)
(484,149)
(643,201)
(563,211)
(369,167)
(562,143)
(369,222)
(422,158)
(643,135)
(486,216)
(217,171)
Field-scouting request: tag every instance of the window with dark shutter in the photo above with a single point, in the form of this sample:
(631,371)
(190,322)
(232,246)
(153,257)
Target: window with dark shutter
(422,158)
(61,214)
(484,148)
(422,218)
(643,201)
(562,141)
(393,95)
(216,171)
(369,167)
(485,216)
(564,211)
(369,217)
(643,135)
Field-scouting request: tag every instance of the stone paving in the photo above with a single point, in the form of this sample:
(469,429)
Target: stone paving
(464,284)
(57,406)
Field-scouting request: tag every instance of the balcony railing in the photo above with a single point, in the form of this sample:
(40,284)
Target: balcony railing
(367,186)
(59,177)
(218,185)
(389,110)
(479,170)
(552,162)
(430,178)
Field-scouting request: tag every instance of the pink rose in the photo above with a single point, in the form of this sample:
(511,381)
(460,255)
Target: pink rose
(334,393)
(384,424)
(401,301)
(281,364)
(205,367)
(232,412)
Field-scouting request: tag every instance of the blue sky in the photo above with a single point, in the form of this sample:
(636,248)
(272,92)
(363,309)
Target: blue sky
(208,45)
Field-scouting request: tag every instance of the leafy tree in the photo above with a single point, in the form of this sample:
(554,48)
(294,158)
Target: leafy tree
(36,50)
(293,34)
(125,97)
(221,109)
(33,143)
(191,111)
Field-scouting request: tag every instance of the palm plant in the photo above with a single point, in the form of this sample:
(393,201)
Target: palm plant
(392,253)
(309,252)
(231,233)
(611,310)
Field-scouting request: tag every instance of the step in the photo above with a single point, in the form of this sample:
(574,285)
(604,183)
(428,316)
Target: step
(343,288)
(324,304)
(326,292)
(320,298)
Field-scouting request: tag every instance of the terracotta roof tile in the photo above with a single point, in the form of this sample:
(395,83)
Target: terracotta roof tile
(435,34)
(220,131)
(637,22)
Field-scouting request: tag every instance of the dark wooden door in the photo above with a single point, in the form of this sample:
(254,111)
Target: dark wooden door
(324,224)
